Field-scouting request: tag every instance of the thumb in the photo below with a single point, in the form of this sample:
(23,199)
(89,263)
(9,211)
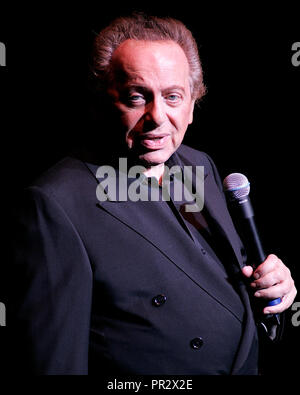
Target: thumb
(247,271)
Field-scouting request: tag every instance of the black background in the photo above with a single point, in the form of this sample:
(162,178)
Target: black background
(247,122)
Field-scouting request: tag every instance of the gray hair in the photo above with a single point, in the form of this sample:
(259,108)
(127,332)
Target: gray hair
(146,28)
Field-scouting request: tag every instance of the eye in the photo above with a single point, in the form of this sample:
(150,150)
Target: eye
(173,98)
(135,99)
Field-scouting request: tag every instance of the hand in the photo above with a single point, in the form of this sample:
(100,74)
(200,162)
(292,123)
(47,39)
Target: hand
(272,280)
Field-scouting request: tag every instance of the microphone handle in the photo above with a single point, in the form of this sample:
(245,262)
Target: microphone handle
(253,240)
(258,252)
(257,249)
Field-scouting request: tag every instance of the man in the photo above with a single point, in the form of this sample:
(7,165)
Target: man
(108,285)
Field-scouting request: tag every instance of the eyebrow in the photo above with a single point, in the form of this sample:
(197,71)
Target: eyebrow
(135,85)
(174,87)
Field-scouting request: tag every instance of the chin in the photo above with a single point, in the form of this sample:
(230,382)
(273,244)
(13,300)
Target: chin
(154,158)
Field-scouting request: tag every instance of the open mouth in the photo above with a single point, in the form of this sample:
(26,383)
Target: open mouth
(155,142)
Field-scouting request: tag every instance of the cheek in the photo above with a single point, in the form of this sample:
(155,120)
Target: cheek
(181,122)
(130,118)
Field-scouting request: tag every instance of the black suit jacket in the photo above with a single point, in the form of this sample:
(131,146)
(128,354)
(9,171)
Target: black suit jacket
(86,273)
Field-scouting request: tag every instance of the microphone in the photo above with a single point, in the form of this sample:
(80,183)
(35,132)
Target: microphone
(237,189)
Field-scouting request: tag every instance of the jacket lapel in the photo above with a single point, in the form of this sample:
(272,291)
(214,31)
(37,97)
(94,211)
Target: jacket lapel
(216,206)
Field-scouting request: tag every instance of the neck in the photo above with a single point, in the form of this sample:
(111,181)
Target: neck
(156,171)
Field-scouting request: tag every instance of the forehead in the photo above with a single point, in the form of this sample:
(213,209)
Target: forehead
(150,61)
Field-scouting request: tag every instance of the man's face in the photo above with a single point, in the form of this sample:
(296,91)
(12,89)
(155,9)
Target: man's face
(151,92)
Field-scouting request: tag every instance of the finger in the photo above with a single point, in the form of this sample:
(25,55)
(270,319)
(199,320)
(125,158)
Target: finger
(271,286)
(272,273)
(271,262)
(247,271)
(286,302)
(269,280)
(273,292)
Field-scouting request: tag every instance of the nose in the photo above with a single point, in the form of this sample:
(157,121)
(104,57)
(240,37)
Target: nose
(155,112)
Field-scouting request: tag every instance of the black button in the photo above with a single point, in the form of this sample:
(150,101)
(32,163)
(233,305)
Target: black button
(197,343)
(203,251)
(158,300)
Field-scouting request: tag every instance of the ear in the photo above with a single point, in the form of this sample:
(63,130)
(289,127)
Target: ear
(191,111)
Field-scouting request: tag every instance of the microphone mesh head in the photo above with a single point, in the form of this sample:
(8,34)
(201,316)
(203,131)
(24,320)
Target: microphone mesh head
(237,185)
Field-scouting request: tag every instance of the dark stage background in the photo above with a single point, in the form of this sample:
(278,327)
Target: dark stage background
(248,122)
